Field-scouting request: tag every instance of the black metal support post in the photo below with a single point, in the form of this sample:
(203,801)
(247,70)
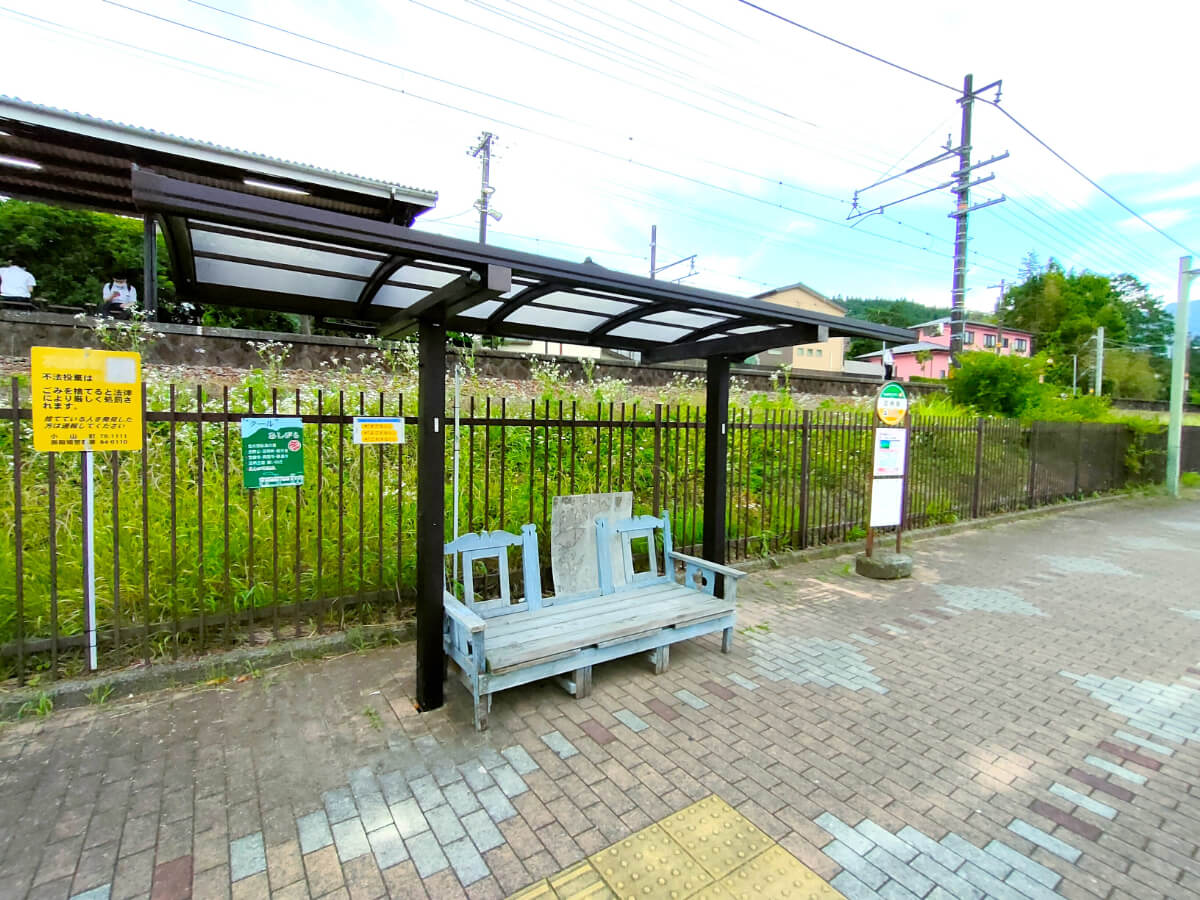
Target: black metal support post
(150,267)
(431,530)
(716,445)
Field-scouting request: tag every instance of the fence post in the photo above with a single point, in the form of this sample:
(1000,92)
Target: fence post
(977,490)
(18,536)
(1033,430)
(657,467)
(805,454)
(1078,454)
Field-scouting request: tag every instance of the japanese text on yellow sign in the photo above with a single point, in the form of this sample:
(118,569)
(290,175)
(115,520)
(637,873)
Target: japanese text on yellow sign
(86,399)
(378,430)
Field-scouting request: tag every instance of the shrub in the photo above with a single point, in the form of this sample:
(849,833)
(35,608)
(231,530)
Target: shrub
(997,385)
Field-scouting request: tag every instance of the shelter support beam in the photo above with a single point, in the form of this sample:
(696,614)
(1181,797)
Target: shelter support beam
(716,445)
(150,266)
(738,346)
(431,500)
(450,299)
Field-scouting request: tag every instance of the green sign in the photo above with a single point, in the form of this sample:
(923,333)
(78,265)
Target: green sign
(891,404)
(272,452)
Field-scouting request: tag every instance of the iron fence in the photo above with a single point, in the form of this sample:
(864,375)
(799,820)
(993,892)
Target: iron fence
(187,559)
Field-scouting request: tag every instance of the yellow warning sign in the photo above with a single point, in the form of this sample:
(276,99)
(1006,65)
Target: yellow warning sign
(86,399)
(378,429)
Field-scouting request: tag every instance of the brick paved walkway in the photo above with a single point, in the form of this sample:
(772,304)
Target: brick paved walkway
(1020,719)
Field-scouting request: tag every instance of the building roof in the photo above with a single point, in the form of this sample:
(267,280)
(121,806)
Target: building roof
(765,295)
(945,320)
(908,348)
(73,159)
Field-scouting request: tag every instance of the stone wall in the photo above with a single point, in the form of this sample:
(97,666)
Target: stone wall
(201,346)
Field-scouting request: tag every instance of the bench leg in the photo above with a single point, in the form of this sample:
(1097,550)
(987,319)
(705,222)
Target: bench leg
(661,657)
(727,640)
(583,682)
(483,706)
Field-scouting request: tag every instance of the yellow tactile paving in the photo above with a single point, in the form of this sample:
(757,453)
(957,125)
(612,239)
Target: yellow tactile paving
(580,882)
(707,851)
(650,864)
(716,835)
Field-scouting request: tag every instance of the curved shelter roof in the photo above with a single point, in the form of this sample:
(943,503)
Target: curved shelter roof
(241,249)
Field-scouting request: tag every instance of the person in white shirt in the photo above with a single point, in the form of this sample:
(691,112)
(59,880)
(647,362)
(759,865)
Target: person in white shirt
(16,282)
(889,363)
(120,297)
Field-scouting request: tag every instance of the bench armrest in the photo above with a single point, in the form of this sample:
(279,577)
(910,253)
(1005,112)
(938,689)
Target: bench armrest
(459,612)
(716,568)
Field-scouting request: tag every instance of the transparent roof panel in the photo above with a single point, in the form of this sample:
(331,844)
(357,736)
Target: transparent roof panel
(555,318)
(684,319)
(250,248)
(585,303)
(425,276)
(396,297)
(262,278)
(649,331)
(483,310)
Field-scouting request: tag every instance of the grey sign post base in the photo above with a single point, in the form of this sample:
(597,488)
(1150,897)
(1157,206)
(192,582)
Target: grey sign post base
(883,565)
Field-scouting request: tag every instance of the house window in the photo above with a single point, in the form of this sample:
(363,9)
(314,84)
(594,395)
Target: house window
(818,351)
(989,340)
(810,351)
(942,373)
(1021,345)
(1004,341)
(968,337)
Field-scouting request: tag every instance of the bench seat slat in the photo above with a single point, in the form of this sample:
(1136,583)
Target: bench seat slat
(635,616)
(527,622)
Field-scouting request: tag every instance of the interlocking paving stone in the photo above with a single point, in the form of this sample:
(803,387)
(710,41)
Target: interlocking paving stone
(1190,613)
(510,782)
(866,872)
(373,811)
(851,888)
(468,865)
(844,833)
(445,824)
(1066,820)
(1035,835)
(103,892)
(1143,743)
(988,883)
(863,639)
(496,804)
(1101,784)
(630,721)
(1130,755)
(408,817)
(986,599)
(247,856)
(1073,796)
(559,744)
(894,629)
(1113,769)
(945,879)
(427,793)
(973,855)
(351,840)
(482,831)
(896,869)
(643,858)
(476,776)
(518,757)
(1022,863)
(597,732)
(394,786)
(718,689)
(339,805)
(813,661)
(715,835)
(461,799)
(691,699)
(1029,887)
(387,847)
(926,846)
(1083,565)
(426,854)
(742,681)
(885,839)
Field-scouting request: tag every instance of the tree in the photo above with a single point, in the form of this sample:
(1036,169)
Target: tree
(900,313)
(997,385)
(1130,376)
(923,357)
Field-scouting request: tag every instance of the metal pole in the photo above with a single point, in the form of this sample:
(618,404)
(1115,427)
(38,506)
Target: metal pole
(716,443)
(1180,357)
(963,190)
(1074,375)
(150,267)
(89,555)
(1099,374)
(653,248)
(457,417)
(483,191)
(431,499)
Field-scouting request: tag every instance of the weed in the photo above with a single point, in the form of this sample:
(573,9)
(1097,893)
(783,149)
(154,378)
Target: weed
(41,707)
(1190,479)
(99,695)
(374,718)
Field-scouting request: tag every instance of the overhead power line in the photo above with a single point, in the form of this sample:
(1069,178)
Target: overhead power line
(821,34)
(1070,165)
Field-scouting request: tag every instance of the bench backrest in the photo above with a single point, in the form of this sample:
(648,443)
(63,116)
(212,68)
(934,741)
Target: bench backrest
(494,545)
(626,531)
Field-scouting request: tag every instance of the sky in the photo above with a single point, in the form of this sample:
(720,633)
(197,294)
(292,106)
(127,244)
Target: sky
(742,137)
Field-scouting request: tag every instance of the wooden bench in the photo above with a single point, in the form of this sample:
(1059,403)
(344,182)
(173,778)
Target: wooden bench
(505,642)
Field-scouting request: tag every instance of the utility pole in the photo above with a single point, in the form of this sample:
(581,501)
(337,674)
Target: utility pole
(1180,357)
(655,269)
(1099,373)
(1002,286)
(483,152)
(960,185)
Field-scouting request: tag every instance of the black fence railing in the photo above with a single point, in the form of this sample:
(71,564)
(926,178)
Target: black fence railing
(187,559)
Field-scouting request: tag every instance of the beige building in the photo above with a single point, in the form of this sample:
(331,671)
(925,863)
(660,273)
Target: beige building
(827,356)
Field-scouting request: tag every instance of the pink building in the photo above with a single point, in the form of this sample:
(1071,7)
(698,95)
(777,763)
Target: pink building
(934,342)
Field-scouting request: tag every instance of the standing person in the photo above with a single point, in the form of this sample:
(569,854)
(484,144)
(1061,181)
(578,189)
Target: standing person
(15,282)
(120,298)
(889,363)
